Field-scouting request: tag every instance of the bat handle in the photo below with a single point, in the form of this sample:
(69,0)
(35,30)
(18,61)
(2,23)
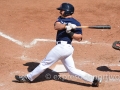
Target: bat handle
(82,26)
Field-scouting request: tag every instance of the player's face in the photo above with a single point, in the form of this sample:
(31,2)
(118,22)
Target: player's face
(62,12)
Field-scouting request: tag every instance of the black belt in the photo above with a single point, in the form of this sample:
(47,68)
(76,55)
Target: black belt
(60,42)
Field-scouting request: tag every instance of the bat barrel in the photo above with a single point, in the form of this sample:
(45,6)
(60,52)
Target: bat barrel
(100,27)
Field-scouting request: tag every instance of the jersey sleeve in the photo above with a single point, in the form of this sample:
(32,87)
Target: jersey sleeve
(78,30)
(58,20)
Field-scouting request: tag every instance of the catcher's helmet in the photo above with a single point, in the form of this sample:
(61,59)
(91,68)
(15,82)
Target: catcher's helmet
(67,7)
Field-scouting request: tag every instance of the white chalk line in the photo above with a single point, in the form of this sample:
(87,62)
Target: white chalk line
(35,41)
(11,39)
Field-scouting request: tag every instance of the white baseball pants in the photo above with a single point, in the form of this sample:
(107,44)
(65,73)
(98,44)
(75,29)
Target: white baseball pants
(64,53)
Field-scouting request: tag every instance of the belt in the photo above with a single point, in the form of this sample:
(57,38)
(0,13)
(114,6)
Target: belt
(63,42)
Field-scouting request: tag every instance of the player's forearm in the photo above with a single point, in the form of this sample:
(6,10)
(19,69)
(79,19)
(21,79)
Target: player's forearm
(77,37)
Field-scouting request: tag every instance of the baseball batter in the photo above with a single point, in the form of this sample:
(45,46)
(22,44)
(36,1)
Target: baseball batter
(66,29)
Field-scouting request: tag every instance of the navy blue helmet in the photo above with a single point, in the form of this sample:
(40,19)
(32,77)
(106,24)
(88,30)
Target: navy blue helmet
(67,7)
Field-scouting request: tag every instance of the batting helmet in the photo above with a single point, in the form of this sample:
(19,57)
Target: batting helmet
(67,7)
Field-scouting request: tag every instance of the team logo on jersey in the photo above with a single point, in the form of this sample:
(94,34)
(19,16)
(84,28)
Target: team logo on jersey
(63,22)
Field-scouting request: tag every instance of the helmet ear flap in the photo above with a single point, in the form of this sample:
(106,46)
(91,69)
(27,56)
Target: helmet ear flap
(68,13)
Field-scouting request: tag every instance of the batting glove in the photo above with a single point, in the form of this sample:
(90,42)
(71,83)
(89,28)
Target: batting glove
(73,26)
(68,29)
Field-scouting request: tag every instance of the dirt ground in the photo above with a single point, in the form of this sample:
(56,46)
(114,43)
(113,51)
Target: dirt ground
(27,34)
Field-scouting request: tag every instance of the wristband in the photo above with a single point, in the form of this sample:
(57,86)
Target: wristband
(70,34)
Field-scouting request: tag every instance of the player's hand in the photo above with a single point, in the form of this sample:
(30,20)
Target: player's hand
(73,26)
(68,28)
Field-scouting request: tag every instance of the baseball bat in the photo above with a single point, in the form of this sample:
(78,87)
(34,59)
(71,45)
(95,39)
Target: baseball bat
(96,27)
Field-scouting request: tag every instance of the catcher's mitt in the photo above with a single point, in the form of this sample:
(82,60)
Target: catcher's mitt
(116,45)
